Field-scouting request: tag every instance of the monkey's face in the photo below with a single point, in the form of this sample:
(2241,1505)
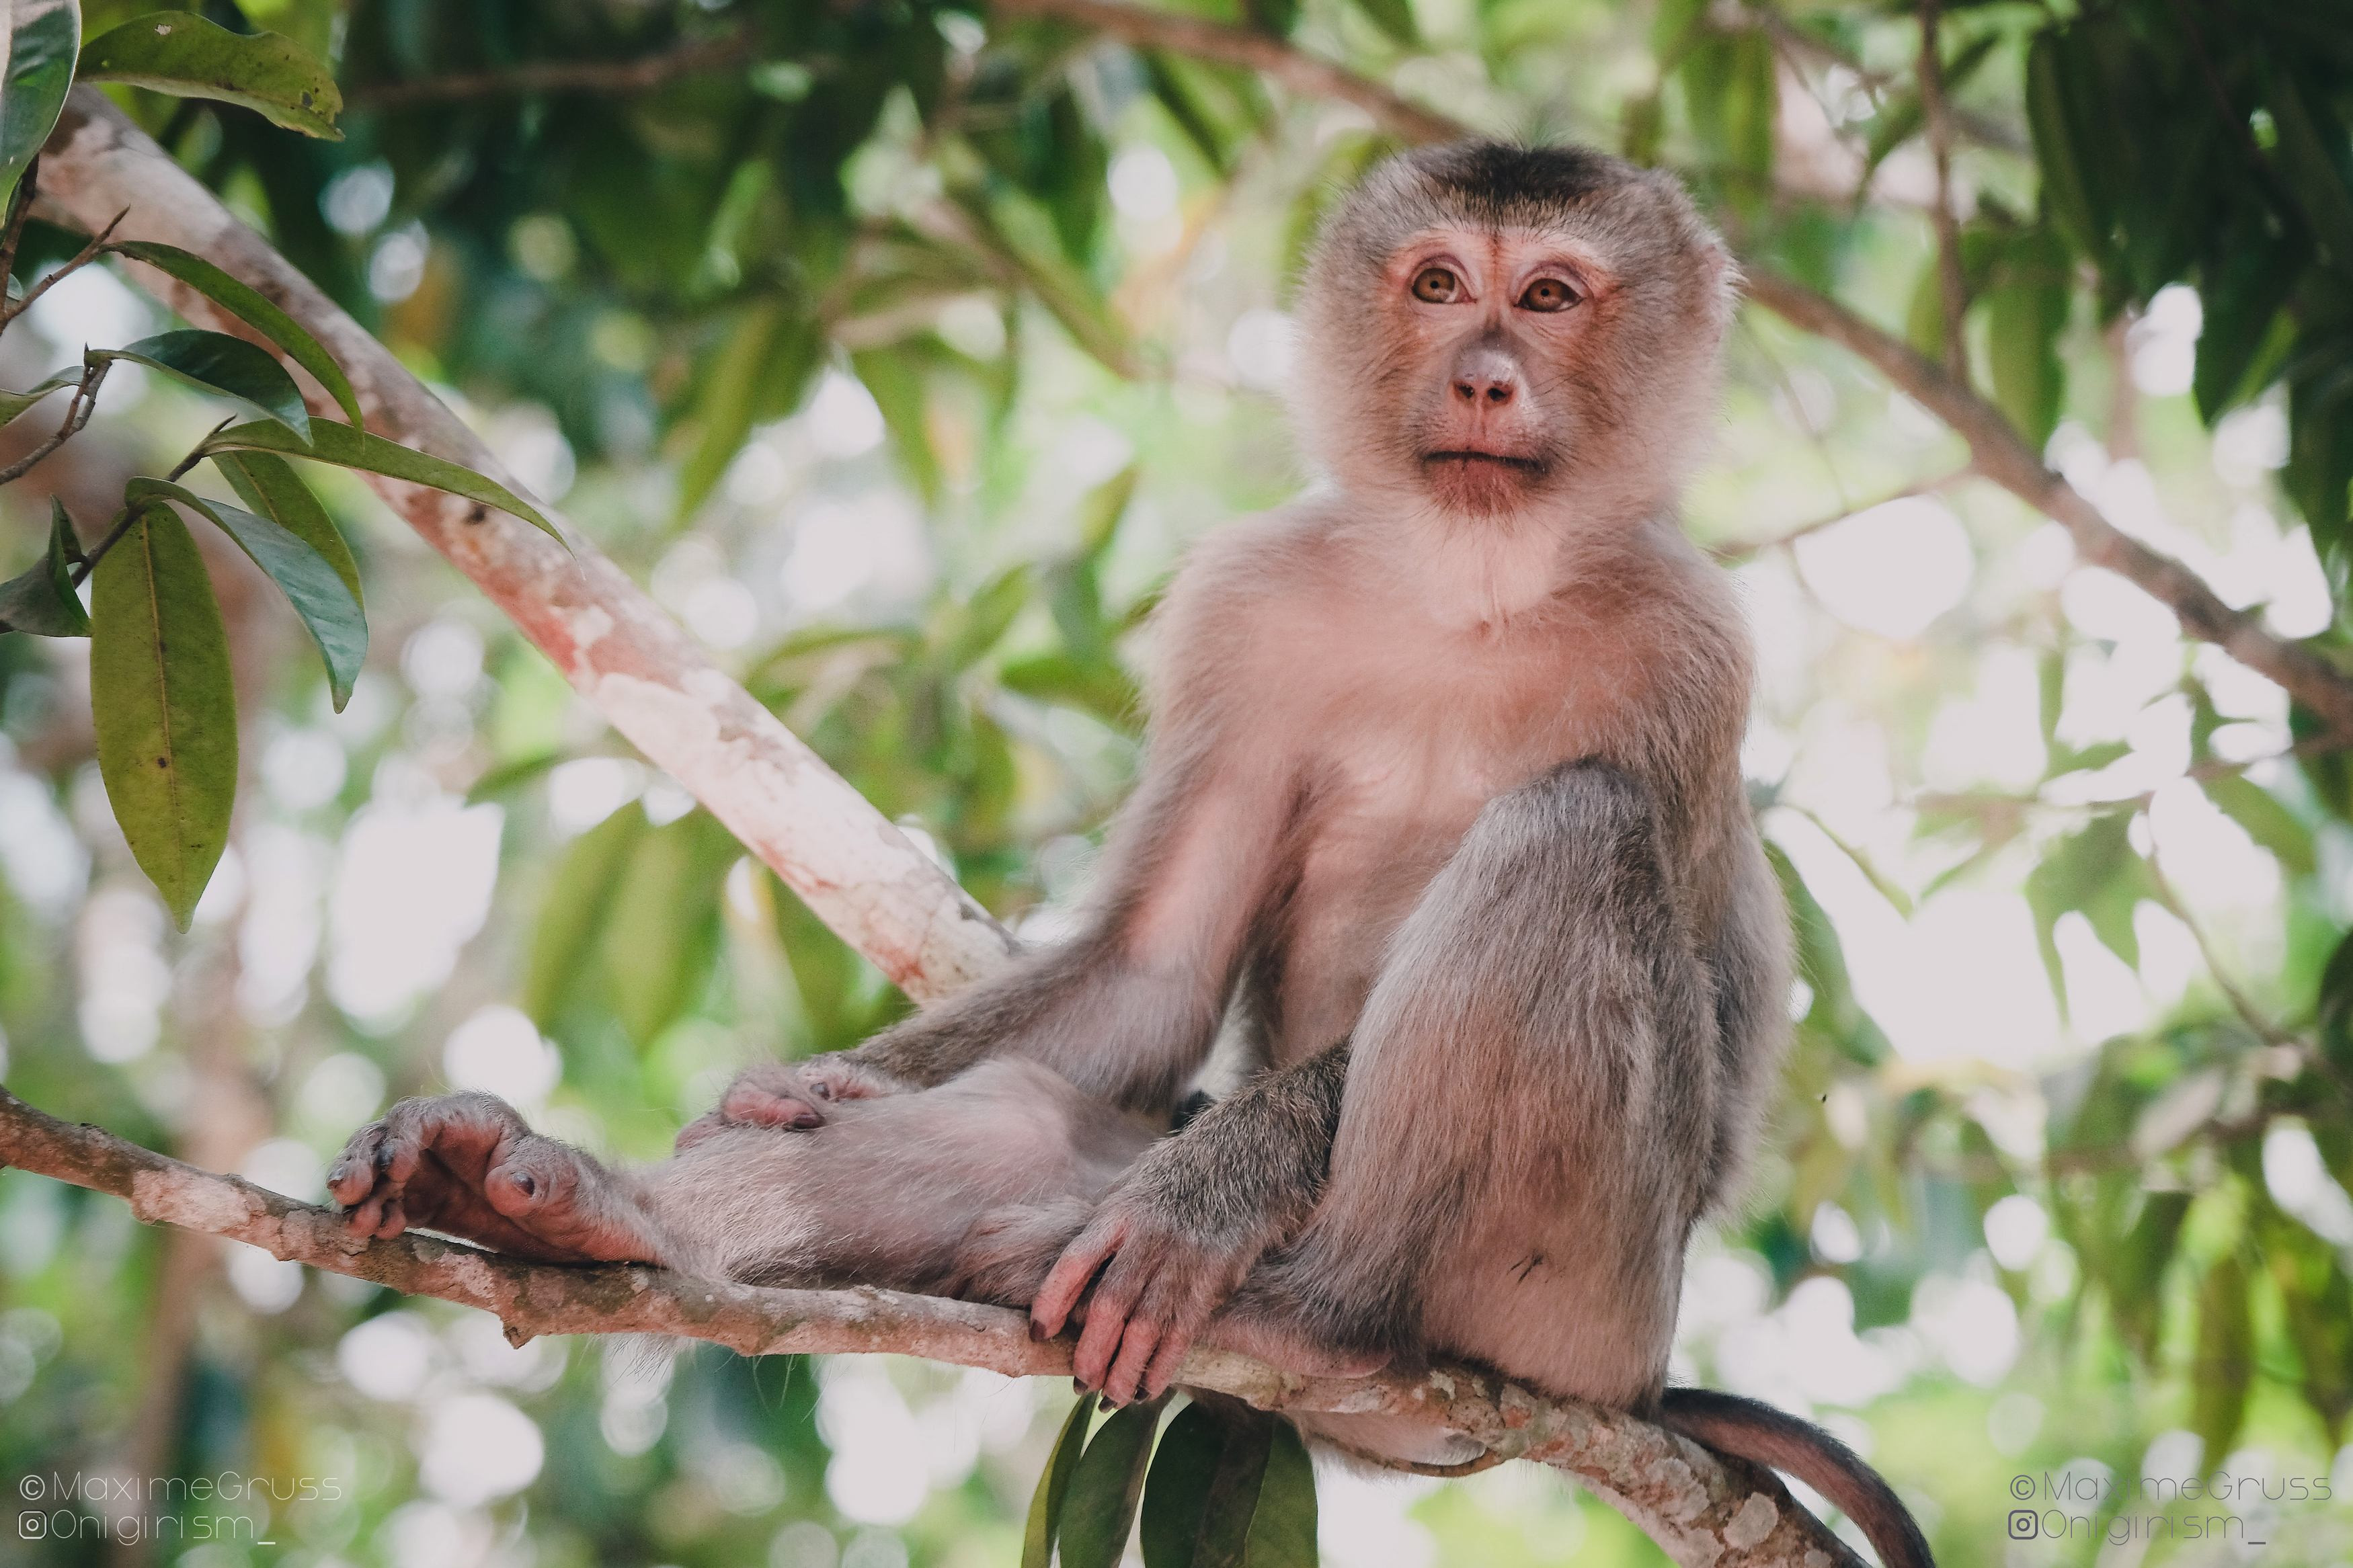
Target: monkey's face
(1486,324)
(1491,332)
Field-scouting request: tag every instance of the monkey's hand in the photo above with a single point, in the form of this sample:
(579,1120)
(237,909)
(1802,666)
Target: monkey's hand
(467,1166)
(1171,1250)
(792,1095)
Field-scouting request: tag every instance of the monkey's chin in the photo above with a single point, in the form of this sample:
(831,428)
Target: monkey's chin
(1481,484)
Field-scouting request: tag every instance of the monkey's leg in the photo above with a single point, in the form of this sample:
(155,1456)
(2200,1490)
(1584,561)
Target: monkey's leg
(1529,1117)
(467,1164)
(1183,1228)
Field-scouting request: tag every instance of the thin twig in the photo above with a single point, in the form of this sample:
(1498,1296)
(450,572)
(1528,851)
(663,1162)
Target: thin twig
(78,412)
(1741,549)
(75,263)
(96,553)
(1952,282)
(541,77)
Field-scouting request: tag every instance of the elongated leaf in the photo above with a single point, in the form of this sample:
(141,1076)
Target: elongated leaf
(268,484)
(2267,820)
(308,579)
(2225,1365)
(662,933)
(2025,314)
(2067,195)
(12,404)
(1054,1487)
(249,306)
(1393,17)
(1176,1492)
(1101,1508)
(164,706)
(1283,1526)
(42,600)
(43,35)
(573,917)
(347,447)
(180,53)
(226,367)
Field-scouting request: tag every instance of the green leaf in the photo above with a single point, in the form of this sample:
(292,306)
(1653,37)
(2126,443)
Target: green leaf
(2067,192)
(249,306)
(347,447)
(2026,311)
(230,367)
(2135,1273)
(12,404)
(164,705)
(42,600)
(1176,1492)
(1283,1526)
(268,484)
(2099,872)
(1101,1506)
(42,38)
(573,915)
(1054,1487)
(309,582)
(182,54)
(896,381)
(769,357)
(2304,162)
(662,933)
(2225,1361)
(2266,818)
(1393,17)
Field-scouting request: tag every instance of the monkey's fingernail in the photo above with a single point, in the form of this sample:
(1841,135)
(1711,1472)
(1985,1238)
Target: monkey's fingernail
(807,1119)
(1037,1334)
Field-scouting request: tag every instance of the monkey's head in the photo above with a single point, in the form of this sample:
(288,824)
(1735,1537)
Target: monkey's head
(1490,328)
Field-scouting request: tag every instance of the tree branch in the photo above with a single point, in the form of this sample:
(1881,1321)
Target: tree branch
(1998,453)
(1264,53)
(1703,1509)
(859,873)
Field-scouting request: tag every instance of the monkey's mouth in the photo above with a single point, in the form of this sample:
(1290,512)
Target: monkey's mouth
(1466,457)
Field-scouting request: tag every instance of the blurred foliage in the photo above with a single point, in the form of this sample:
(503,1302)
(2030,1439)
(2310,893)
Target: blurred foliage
(899,350)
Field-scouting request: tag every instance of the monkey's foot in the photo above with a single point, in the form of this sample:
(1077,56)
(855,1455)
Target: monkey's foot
(791,1094)
(467,1166)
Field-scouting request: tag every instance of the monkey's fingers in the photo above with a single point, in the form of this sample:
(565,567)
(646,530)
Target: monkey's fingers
(1110,1320)
(1068,1279)
(354,1175)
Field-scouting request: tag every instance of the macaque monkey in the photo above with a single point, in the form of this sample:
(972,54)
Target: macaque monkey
(1442,812)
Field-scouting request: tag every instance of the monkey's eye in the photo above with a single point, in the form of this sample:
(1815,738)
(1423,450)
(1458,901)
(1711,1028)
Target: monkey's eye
(1548,294)
(1437,286)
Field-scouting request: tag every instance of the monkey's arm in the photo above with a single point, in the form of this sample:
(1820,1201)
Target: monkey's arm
(1189,1219)
(1125,1010)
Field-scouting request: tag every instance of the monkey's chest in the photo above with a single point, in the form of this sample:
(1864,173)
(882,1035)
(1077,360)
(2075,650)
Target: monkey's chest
(1380,827)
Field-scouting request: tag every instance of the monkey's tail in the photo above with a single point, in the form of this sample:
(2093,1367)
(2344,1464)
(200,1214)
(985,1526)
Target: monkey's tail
(1758,1433)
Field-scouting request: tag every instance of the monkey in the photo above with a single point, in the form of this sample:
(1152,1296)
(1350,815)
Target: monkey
(1442,817)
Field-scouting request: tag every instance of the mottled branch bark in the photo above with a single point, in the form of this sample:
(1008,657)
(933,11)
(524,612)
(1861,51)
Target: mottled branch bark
(860,874)
(1703,1511)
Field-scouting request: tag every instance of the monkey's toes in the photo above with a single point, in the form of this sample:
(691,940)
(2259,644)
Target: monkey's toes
(764,1107)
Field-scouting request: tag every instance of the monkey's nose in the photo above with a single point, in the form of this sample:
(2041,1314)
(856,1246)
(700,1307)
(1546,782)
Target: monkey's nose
(1495,389)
